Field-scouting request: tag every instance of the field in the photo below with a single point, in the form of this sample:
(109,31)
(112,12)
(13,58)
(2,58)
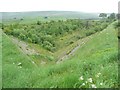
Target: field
(60,53)
(1,58)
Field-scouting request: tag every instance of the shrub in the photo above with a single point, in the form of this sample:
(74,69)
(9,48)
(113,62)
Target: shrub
(47,45)
(88,33)
(8,31)
(22,36)
(29,40)
(78,37)
(104,25)
(97,28)
(16,32)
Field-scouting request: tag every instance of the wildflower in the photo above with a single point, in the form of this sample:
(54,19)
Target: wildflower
(101,83)
(83,84)
(81,78)
(86,82)
(33,62)
(90,80)
(93,86)
(19,64)
(98,74)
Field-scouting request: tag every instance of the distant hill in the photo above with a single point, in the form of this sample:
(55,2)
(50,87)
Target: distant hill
(65,14)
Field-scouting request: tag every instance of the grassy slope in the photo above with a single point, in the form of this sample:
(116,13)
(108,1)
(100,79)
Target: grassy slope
(0,59)
(0,51)
(12,73)
(98,55)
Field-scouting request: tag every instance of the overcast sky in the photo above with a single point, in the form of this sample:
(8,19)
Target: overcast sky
(107,6)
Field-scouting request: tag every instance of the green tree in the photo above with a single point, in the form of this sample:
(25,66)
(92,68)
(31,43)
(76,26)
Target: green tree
(22,36)
(112,16)
(103,15)
(38,23)
(118,16)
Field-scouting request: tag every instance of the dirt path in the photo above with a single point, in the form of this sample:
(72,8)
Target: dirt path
(24,48)
(80,43)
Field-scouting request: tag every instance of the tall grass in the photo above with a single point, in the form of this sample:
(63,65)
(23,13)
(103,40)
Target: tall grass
(0,58)
(94,65)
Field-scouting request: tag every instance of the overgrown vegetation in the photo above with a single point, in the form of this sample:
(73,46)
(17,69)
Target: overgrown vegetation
(46,34)
(93,65)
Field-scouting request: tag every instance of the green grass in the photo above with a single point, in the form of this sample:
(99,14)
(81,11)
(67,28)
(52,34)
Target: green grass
(11,56)
(31,17)
(97,59)
(0,58)
(30,20)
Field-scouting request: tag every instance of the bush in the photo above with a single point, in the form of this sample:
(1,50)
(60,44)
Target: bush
(34,38)
(16,32)
(89,33)
(29,40)
(97,28)
(8,31)
(22,36)
(47,45)
(104,25)
(78,37)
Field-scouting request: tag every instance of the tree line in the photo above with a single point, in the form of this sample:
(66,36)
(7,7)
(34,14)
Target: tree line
(46,33)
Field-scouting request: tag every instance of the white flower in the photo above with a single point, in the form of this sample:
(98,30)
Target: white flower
(19,64)
(90,80)
(101,83)
(33,62)
(93,86)
(83,84)
(81,78)
(98,74)
(86,82)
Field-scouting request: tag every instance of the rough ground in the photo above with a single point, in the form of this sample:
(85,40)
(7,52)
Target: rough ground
(80,43)
(24,47)
(64,55)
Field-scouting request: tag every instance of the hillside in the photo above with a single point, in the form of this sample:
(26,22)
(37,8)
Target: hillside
(70,14)
(93,65)
(0,58)
(51,15)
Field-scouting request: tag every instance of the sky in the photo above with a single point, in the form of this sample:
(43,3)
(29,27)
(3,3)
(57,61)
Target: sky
(93,6)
